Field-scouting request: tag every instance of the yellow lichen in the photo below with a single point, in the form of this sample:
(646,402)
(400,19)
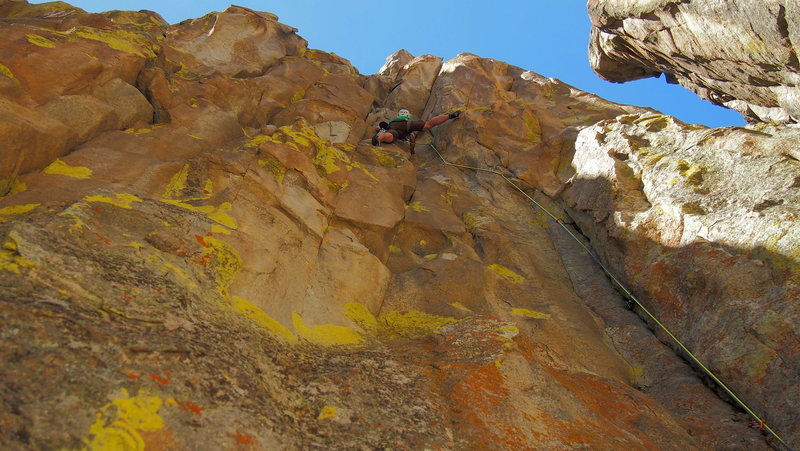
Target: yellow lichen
(120,200)
(59,167)
(117,39)
(7,72)
(40,41)
(509,331)
(179,272)
(396,325)
(11,260)
(177,183)
(221,216)
(636,372)
(119,422)
(394,249)
(218,214)
(384,159)
(12,186)
(137,131)
(529,313)
(261,139)
(410,325)
(359,314)
(226,263)
(506,273)
(25,9)
(219,229)
(475,222)
(692,173)
(249,310)
(460,306)
(327,157)
(277,169)
(12,210)
(327,412)
(298,96)
(326,334)
(416,206)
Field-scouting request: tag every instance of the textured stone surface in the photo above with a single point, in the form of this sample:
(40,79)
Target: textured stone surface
(702,223)
(741,54)
(235,266)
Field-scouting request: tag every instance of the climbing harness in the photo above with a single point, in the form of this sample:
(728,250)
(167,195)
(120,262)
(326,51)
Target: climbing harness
(630,298)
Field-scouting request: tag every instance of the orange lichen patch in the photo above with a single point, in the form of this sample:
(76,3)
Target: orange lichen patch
(201,240)
(479,402)
(615,410)
(160,380)
(243,438)
(191,407)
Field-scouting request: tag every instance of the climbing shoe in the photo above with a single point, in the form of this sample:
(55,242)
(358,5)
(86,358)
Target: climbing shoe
(455,114)
(375,141)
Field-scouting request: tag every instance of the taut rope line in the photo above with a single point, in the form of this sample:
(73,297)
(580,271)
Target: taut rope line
(761,423)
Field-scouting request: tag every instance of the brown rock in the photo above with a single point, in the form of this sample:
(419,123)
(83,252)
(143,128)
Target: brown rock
(238,42)
(31,140)
(415,80)
(248,273)
(738,54)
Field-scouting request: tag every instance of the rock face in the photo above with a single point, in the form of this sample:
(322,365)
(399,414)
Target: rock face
(741,54)
(703,223)
(202,250)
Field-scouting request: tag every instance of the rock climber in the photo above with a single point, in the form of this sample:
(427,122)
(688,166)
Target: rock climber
(403,126)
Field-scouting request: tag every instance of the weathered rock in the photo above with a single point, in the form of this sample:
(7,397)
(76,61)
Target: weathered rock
(740,54)
(526,120)
(395,63)
(30,141)
(249,272)
(707,238)
(415,80)
(238,42)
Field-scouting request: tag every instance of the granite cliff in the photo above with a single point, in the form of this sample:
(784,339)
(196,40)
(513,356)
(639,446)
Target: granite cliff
(202,250)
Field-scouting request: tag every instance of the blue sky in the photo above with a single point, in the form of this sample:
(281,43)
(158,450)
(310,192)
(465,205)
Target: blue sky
(549,37)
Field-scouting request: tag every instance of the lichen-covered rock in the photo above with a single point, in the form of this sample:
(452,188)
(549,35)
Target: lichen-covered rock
(701,223)
(204,252)
(741,54)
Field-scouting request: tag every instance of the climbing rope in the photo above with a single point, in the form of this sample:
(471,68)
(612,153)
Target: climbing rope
(758,421)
